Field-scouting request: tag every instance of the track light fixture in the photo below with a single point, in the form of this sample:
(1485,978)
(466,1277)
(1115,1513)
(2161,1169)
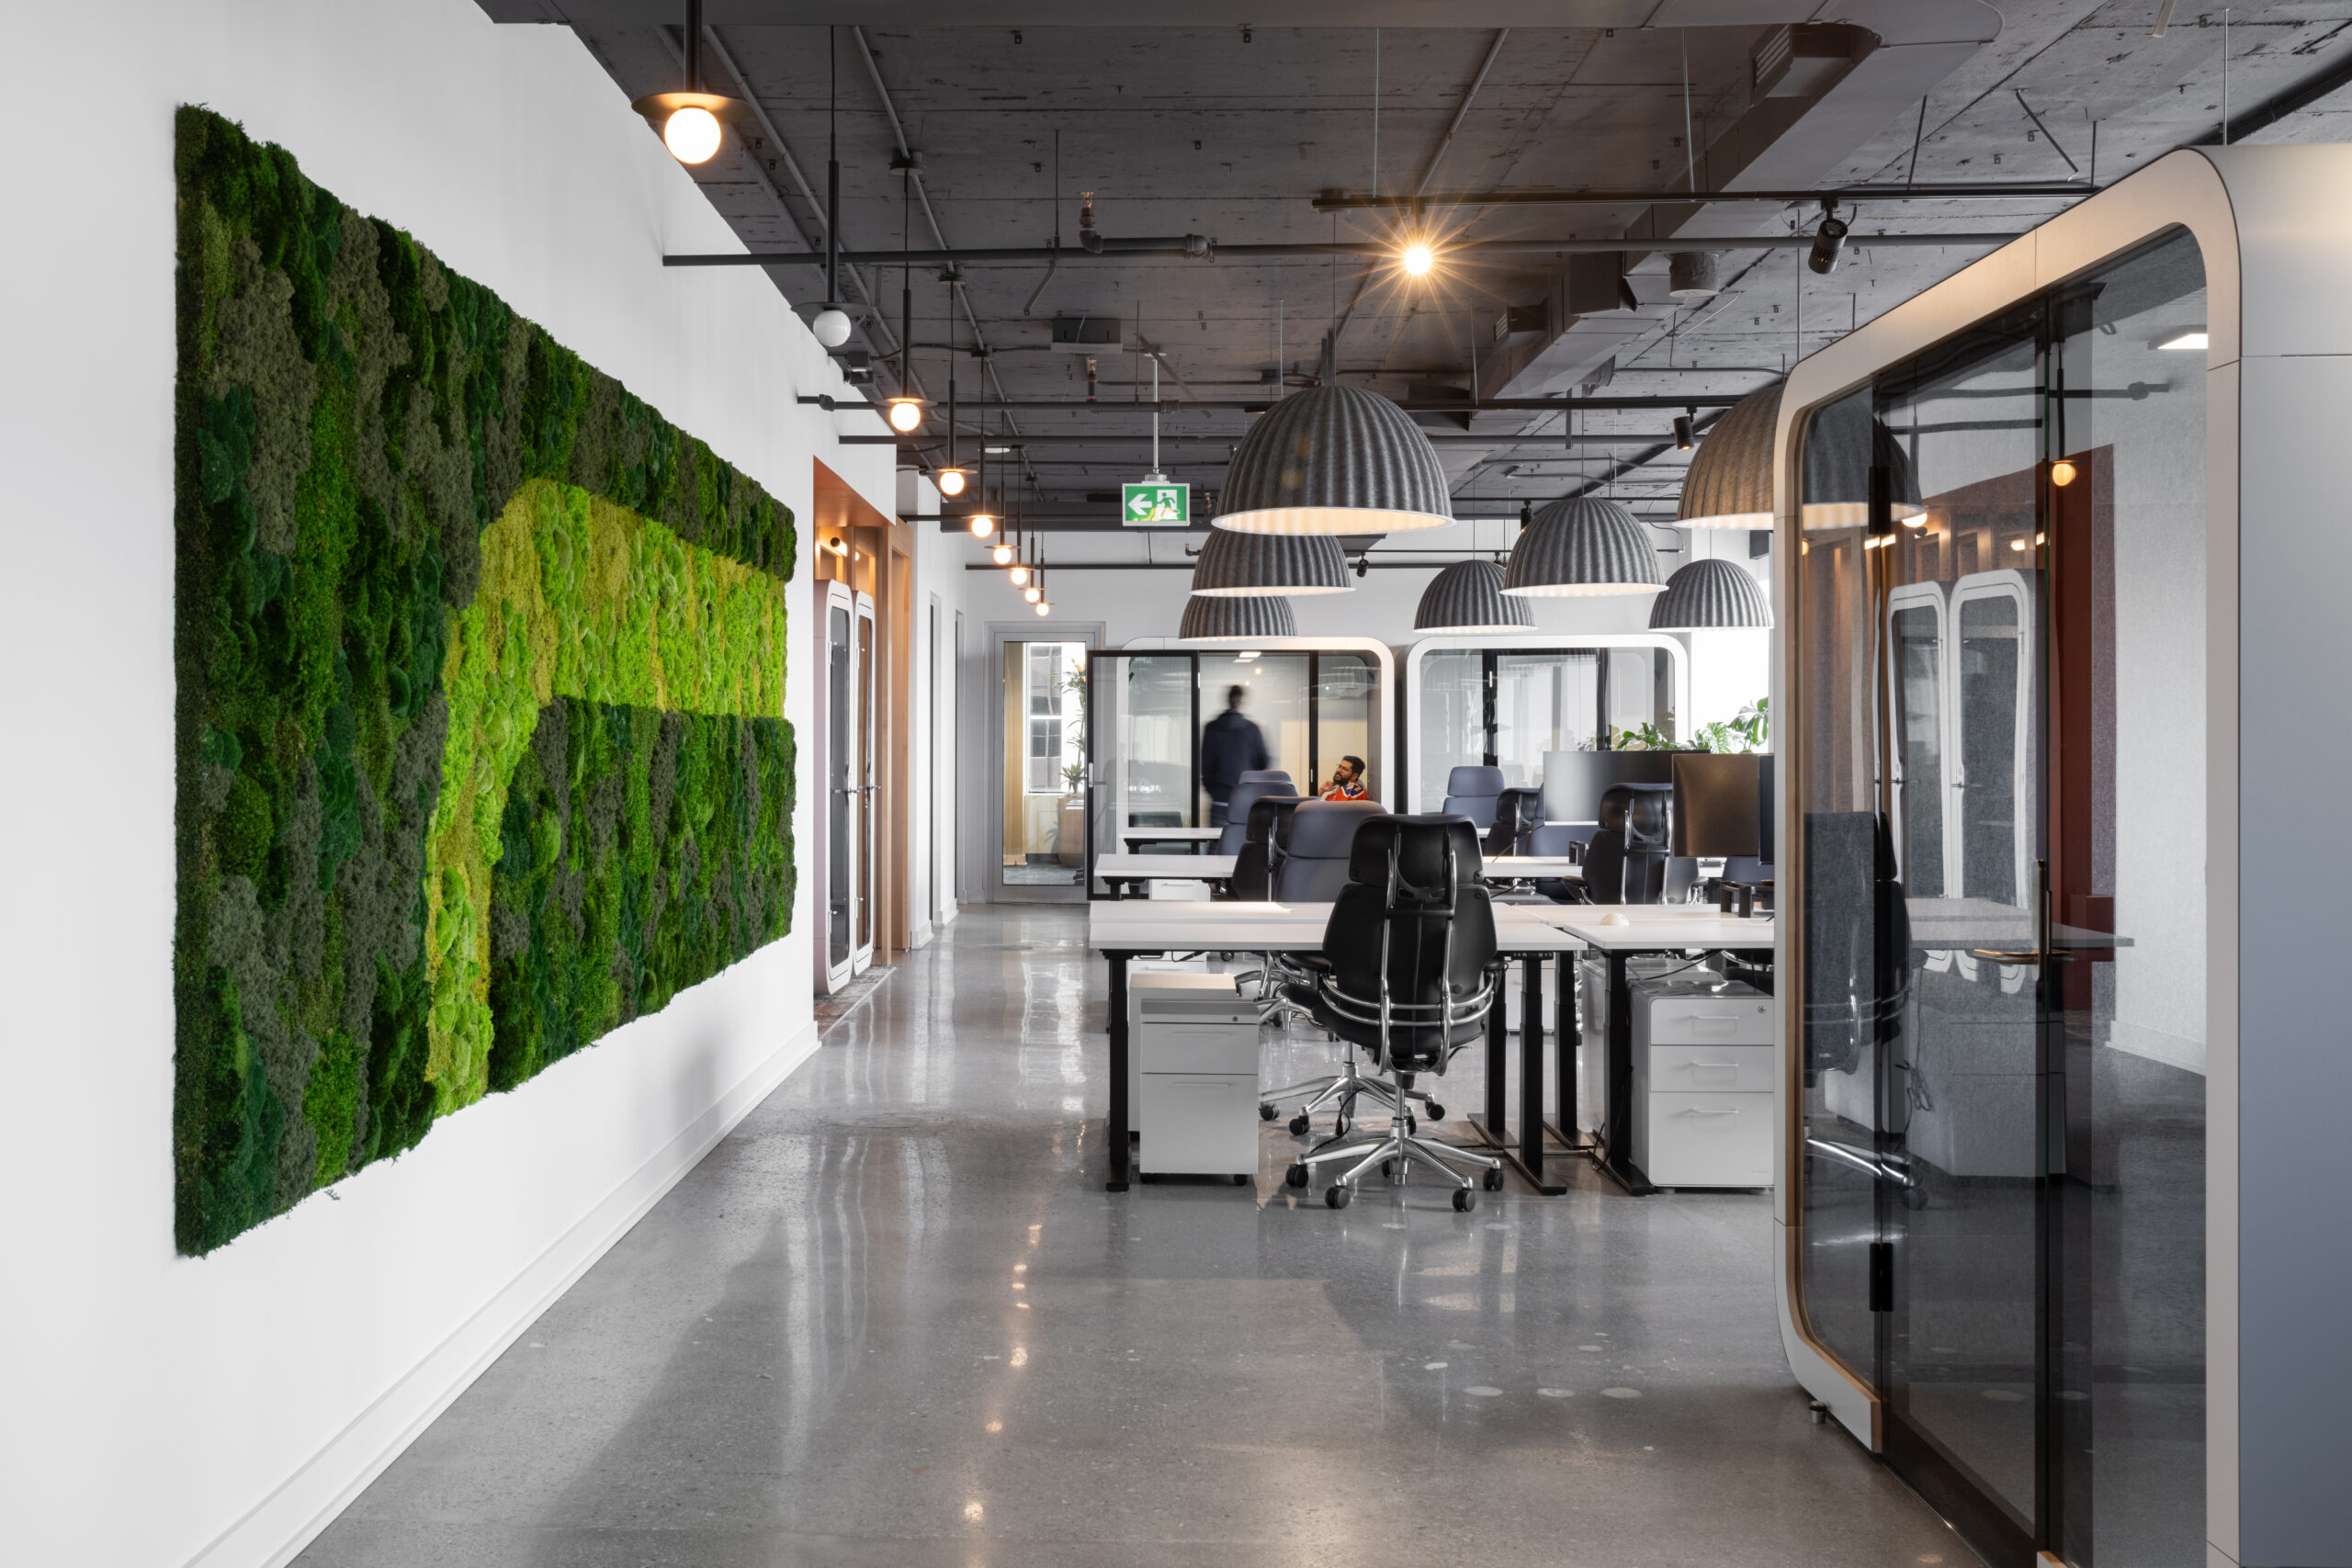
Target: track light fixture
(689,120)
(1828,240)
(1685,431)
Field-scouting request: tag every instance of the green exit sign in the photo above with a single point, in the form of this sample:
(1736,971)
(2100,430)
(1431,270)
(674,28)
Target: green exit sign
(1156,503)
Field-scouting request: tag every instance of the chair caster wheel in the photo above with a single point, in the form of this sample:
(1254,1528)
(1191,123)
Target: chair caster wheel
(1338,1197)
(1388,1169)
(1914,1198)
(1240,1179)
(1465,1200)
(1265,1114)
(1435,1112)
(1295,1176)
(1298,1125)
(1493,1179)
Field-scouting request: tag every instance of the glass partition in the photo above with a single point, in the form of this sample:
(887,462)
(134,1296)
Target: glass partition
(2000,739)
(1505,707)
(1450,709)
(1311,706)
(1143,759)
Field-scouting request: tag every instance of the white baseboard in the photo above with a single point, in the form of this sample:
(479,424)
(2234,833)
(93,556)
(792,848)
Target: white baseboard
(289,1519)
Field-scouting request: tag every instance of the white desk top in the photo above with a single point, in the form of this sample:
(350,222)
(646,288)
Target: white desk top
(1143,925)
(1184,868)
(1534,865)
(1652,926)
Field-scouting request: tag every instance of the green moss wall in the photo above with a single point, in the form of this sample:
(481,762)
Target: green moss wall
(480,676)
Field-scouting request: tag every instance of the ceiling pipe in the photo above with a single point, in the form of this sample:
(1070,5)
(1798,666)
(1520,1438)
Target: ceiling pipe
(2074,190)
(1599,402)
(1372,250)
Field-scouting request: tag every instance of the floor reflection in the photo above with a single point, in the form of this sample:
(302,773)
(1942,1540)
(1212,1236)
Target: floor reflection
(894,1318)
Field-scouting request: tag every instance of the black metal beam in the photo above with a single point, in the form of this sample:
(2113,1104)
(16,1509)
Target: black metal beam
(1344,203)
(1367,250)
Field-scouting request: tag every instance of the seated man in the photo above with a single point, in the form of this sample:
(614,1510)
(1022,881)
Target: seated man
(1347,780)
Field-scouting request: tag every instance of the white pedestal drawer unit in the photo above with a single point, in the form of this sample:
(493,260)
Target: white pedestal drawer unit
(1196,1111)
(1703,1083)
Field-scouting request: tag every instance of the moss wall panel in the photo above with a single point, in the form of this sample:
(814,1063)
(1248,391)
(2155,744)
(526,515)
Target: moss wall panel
(480,671)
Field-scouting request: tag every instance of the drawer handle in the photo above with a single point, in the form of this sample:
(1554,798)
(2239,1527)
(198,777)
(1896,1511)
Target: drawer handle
(1703,1021)
(1697,1112)
(1714,1067)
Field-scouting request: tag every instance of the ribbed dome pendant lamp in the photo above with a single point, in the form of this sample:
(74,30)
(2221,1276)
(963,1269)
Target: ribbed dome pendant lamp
(1254,619)
(1708,595)
(1468,597)
(1729,482)
(1582,544)
(1236,565)
(1334,460)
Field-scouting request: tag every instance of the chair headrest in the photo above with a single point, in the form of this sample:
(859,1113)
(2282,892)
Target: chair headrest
(1322,830)
(1267,776)
(1419,844)
(1244,796)
(1519,808)
(1474,781)
(1639,811)
(1266,811)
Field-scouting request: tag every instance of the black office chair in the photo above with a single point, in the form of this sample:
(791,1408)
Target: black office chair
(1471,792)
(1316,841)
(1569,839)
(1236,810)
(1408,970)
(1269,775)
(1625,862)
(1518,812)
(1253,868)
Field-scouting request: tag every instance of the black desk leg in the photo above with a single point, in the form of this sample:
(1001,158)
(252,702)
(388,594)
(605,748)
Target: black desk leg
(1115,1133)
(1617,1157)
(1531,1070)
(1564,1048)
(1497,1064)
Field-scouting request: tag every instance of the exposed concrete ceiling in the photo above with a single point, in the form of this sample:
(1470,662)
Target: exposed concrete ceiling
(1230,133)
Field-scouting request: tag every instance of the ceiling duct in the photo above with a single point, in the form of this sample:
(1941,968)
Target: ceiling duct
(1086,335)
(1818,92)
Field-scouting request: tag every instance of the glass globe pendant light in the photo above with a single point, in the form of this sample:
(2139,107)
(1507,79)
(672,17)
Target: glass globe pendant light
(689,120)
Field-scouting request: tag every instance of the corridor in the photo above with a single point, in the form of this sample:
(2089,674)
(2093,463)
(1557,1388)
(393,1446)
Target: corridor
(894,1320)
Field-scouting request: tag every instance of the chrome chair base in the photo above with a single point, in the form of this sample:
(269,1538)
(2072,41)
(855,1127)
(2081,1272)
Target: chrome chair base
(1397,1150)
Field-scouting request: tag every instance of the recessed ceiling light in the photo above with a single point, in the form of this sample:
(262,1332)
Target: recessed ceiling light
(2195,338)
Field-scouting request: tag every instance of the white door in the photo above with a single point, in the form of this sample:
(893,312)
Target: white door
(1995,712)
(841,775)
(1927,821)
(866,777)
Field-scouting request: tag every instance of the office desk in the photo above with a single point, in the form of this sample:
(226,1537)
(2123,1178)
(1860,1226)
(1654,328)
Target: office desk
(1524,868)
(1126,930)
(1123,871)
(1193,837)
(1651,928)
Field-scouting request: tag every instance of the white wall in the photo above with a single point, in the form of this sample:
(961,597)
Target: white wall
(162,1410)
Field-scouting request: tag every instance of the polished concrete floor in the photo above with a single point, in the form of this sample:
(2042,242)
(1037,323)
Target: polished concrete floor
(894,1319)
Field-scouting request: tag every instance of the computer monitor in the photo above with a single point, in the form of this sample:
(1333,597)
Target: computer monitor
(1766,809)
(1715,797)
(1574,781)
